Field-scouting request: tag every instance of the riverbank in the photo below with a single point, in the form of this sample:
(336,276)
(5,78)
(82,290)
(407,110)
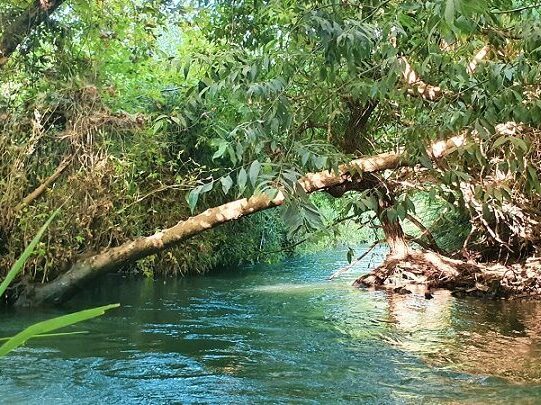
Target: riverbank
(429,271)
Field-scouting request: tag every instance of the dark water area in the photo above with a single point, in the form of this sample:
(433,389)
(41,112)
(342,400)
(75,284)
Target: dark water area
(278,333)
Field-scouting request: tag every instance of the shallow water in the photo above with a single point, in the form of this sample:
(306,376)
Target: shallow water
(278,333)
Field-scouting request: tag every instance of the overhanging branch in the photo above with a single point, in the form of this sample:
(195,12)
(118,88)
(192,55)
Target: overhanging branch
(88,268)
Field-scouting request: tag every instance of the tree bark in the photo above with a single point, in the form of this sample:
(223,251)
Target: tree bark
(418,87)
(81,271)
(348,177)
(355,139)
(16,32)
(394,234)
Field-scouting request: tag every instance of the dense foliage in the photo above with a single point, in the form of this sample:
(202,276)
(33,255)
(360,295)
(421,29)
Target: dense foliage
(158,109)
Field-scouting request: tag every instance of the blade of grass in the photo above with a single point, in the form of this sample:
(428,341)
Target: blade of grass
(46,335)
(52,324)
(21,261)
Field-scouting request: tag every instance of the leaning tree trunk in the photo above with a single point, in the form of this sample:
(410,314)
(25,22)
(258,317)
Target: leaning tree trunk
(349,176)
(392,229)
(395,239)
(82,271)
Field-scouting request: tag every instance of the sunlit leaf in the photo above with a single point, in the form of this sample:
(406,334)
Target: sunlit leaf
(52,324)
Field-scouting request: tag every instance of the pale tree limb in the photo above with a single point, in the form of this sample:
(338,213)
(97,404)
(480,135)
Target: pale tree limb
(424,244)
(425,232)
(478,58)
(418,87)
(347,268)
(110,259)
(45,185)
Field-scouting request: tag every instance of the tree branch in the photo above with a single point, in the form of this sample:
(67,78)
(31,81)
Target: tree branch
(63,287)
(425,232)
(45,185)
(16,32)
(353,263)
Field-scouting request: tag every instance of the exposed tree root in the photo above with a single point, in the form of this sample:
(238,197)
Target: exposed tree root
(432,271)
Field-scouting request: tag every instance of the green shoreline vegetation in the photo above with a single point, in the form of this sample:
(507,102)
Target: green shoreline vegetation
(176,137)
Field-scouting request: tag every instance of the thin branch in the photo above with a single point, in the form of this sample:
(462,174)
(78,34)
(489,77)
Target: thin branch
(516,10)
(290,247)
(16,32)
(425,232)
(353,263)
(45,185)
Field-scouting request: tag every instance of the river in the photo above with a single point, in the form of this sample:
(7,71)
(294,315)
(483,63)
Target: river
(278,333)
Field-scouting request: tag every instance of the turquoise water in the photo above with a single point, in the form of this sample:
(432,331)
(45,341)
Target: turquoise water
(278,333)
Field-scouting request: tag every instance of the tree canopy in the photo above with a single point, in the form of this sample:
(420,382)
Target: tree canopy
(222,100)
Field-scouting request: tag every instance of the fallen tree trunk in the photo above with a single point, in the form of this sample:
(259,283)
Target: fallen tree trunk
(349,175)
(16,32)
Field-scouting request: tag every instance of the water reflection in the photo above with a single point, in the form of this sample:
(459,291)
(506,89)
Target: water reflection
(494,338)
(279,334)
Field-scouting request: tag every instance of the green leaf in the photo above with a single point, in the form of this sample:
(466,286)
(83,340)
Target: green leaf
(179,120)
(290,176)
(425,161)
(312,216)
(242,178)
(192,198)
(350,255)
(319,161)
(392,215)
(292,217)
(222,147)
(254,172)
(371,202)
(227,183)
(450,10)
(401,211)
(253,72)
(519,143)
(409,204)
(305,155)
(52,324)
(158,125)
(48,335)
(534,179)
(500,141)
(205,188)
(21,261)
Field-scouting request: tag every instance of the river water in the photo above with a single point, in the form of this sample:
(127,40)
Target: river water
(278,333)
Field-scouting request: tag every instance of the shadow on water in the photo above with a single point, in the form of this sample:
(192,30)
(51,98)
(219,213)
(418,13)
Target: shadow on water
(278,334)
